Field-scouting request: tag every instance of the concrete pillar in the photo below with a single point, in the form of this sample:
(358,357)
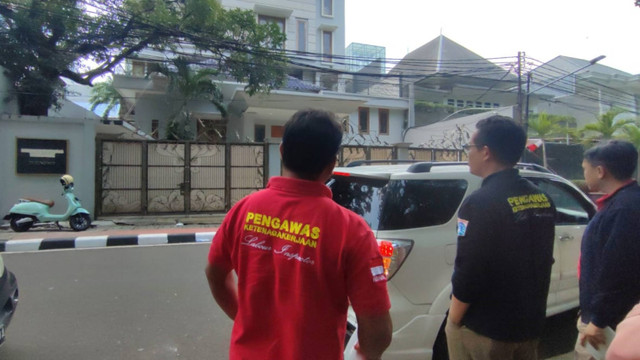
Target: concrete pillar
(402,151)
(275,161)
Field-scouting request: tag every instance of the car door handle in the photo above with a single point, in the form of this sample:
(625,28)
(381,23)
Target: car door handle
(565,237)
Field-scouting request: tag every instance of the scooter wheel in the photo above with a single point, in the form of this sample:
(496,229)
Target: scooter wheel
(80,222)
(20,226)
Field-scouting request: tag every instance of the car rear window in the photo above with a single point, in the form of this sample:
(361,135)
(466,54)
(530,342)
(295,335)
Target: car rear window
(399,204)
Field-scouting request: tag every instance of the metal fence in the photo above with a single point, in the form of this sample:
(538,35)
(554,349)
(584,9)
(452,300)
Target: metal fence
(161,177)
(155,177)
(350,153)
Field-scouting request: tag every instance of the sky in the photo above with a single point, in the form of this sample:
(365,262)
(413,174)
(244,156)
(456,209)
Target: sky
(543,29)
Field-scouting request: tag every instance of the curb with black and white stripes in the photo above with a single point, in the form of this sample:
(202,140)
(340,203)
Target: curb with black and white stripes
(100,241)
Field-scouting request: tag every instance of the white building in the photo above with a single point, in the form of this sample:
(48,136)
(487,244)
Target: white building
(315,31)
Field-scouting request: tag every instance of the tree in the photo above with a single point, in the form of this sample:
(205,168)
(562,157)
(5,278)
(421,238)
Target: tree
(632,134)
(544,125)
(189,84)
(606,127)
(42,41)
(105,93)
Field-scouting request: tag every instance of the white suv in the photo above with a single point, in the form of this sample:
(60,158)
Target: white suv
(412,210)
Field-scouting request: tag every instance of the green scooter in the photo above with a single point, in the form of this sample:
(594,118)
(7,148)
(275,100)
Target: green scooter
(27,211)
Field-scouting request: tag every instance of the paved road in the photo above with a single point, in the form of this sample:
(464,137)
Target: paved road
(115,303)
(148,302)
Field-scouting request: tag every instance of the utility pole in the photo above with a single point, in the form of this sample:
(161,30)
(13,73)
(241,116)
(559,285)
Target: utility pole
(519,100)
(525,119)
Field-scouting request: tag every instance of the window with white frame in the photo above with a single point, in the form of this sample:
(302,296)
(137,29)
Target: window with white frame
(327,45)
(327,8)
(138,68)
(301,33)
(383,121)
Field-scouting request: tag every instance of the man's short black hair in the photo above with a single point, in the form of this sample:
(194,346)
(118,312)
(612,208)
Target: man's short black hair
(503,136)
(310,142)
(619,157)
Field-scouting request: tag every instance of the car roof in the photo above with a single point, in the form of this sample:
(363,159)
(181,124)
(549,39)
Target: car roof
(461,168)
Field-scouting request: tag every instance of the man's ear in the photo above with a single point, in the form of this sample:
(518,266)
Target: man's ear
(601,171)
(280,149)
(486,153)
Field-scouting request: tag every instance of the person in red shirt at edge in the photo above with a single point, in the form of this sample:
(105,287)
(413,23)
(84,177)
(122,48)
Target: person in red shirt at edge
(300,259)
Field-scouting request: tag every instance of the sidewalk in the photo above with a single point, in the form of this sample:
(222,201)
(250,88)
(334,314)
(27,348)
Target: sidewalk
(113,231)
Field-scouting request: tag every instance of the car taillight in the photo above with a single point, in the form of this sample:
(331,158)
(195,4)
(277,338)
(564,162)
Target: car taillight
(394,252)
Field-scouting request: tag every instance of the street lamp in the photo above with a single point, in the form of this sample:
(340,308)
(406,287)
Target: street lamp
(526,114)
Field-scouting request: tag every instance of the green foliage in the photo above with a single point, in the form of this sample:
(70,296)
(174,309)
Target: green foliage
(188,83)
(606,127)
(428,106)
(631,132)
(545,126)
(105,93)
(41,41)
(179,128)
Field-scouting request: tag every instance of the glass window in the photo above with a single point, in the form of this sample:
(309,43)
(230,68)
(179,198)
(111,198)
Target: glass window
(138,68)
(360,195)
(259,132)
(399,204)
(420,203)
(302,35)
(460,103)
(327,46)
(451,102)
(209,130)
(327,7)
(363,120)
(264,19)
(155,125)
(383,121)
(571,206)
(487,105)
(469,103)
(478,104)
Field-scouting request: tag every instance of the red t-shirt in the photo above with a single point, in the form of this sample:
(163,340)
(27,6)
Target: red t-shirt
(300,260)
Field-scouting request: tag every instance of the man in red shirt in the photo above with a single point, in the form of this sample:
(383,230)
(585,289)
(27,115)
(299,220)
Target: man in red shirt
(300,259)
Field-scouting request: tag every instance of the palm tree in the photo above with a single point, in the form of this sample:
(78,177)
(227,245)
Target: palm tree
(606,127)
(632,134)
(190,85)
(105,93)
(544,125)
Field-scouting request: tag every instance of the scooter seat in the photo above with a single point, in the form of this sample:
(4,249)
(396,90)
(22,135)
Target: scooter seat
(49,203)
